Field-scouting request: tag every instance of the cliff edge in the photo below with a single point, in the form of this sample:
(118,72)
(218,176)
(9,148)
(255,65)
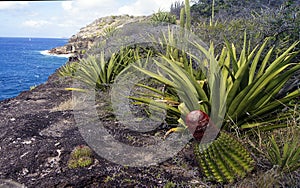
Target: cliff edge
(85,38)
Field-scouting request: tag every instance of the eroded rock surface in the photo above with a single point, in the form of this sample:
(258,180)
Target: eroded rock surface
(38,133)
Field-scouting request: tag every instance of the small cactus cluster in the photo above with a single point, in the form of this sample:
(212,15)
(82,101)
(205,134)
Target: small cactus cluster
(81,156)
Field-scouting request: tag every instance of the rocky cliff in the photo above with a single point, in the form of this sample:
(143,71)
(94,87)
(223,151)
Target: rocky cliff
(84,39)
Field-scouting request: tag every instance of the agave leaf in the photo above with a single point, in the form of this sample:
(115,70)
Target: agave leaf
(286,154)
(279,60)
(232,51)
(295,159)
(242,60)
(275,150)
(256,60)
(156,104)
(181,80)
(231,109)
(101,71)
(111,67)
(156,76)
(183,109)
(266,124)
(275,104)
(150,95)
(236,85)
(172,130)
(151,89)
(264,64)
(255,90)
(88,76)
(274,87)
(224,63)
(75,89)
(188,88)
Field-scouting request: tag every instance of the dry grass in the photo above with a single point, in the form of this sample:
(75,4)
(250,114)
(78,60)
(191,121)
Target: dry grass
(267,174)
(64,106)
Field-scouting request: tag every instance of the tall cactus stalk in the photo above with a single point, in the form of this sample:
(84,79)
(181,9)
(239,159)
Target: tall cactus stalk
(182,17)
(188,15)
(212,13)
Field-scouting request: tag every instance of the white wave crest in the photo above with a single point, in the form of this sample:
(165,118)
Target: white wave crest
(47,53)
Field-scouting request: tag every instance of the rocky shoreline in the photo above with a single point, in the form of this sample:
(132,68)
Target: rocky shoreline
(39,133)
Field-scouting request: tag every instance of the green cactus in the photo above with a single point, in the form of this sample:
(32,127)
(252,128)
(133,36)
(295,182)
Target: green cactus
(188,15)
(84,161)
(225,159)
(81,151)
(81,156)
(182,16)
(185,16)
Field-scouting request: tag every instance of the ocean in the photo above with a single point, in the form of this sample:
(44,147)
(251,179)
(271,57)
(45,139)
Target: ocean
(25,63)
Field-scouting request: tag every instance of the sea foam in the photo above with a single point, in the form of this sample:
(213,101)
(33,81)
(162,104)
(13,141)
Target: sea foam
(47,52)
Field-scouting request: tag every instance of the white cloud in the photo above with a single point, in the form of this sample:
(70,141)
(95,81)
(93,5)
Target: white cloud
(91,6)
(67,5)
(35,23)
(12,5)
(83,12)
(146,7)
(93,9)
(79,13)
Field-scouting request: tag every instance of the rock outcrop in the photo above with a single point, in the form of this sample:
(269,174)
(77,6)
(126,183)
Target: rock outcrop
(85,38)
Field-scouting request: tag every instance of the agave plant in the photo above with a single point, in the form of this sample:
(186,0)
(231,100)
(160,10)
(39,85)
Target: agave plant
(97,72)
(239,91)
(248,85)
(161,16)
(252,85)
(109,30)
(283,150)
(68,70)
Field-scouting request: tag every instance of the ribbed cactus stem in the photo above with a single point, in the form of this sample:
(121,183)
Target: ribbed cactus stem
(182,17)
(212,13)
(188,15)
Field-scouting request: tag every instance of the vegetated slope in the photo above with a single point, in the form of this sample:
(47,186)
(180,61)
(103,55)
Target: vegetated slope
(84,39)
(235,9)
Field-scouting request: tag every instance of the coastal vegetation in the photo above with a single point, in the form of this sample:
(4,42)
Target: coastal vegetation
(250,93)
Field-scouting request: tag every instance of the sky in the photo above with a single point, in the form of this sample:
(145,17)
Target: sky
(62,19)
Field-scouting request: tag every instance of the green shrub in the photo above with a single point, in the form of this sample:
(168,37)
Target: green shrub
(98,72)
(68,70)
(283,151)
(108,31)
(161,16)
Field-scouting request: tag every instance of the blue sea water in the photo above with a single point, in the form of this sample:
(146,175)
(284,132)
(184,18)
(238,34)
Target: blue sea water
(25,63)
